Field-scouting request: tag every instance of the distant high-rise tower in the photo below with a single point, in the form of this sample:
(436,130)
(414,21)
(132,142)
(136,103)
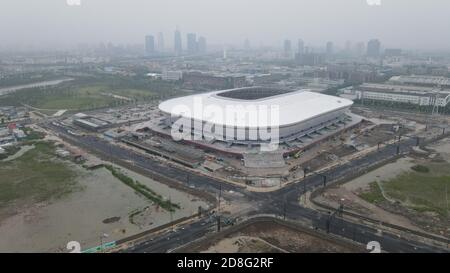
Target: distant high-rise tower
(300,46)
(287,48)
(307,50)
(329,48)
(373,48)
(201,44)
(149,45)
(348,46)
(160,42)
(177,42)
(247,44)
(191,43)
(224,53)
(360,48)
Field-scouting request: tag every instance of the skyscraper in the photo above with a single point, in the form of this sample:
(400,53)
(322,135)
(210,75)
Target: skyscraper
(329,49)
(177,43)
(149,45)
(360,48)
(191,43)
(247,44)
(287,48)
(300,46)
(373,48)
(160,42)
(348,46)
(201,44)
(224,53)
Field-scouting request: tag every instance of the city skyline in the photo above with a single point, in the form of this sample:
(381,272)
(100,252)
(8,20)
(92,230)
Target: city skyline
(58,25)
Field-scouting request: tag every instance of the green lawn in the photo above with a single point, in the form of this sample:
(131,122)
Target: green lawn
(9,150)
(373,195)
(36,176)
(77,96)
(32,134)
(79,103)
(419,190)
(80,98)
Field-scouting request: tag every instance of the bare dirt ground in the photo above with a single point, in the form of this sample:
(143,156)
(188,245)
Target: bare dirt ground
(269,236)
(243,244)
(389,209)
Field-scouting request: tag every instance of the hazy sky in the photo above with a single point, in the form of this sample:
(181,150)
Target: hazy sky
(403,23)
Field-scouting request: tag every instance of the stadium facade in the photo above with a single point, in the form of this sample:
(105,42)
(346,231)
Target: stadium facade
(253,115)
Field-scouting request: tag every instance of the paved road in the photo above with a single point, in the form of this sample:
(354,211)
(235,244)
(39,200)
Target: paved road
(283,202)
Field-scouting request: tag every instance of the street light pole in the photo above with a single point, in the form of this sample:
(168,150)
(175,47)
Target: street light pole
(171,210)
(220,196)
(328,223)
(324,179)
(304,179)
(218,223)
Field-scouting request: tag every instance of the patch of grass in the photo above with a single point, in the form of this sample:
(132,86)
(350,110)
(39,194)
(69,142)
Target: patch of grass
(132,93)
(135,213)
(373,195)
(36,176)
(420,168)
(426,189)
(421,191)
(75,97)
(32,134)
(83,94)
(9,150)
(143,189)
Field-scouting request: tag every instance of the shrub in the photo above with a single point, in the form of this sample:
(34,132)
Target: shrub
(420,168)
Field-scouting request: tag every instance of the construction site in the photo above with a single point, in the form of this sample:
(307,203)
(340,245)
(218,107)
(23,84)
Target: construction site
(410,192)
(366,131)
(270,235)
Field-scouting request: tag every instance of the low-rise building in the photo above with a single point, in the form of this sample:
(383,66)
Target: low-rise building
(115,134)
(422,96)
(172,75)
(90,123)
(426,81)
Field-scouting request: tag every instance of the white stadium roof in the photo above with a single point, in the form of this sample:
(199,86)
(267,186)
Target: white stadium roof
(294,107)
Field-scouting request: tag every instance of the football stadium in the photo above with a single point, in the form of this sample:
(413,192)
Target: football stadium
(253,115)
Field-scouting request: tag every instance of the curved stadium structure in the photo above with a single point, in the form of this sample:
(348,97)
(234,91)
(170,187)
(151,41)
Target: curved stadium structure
(299,113)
